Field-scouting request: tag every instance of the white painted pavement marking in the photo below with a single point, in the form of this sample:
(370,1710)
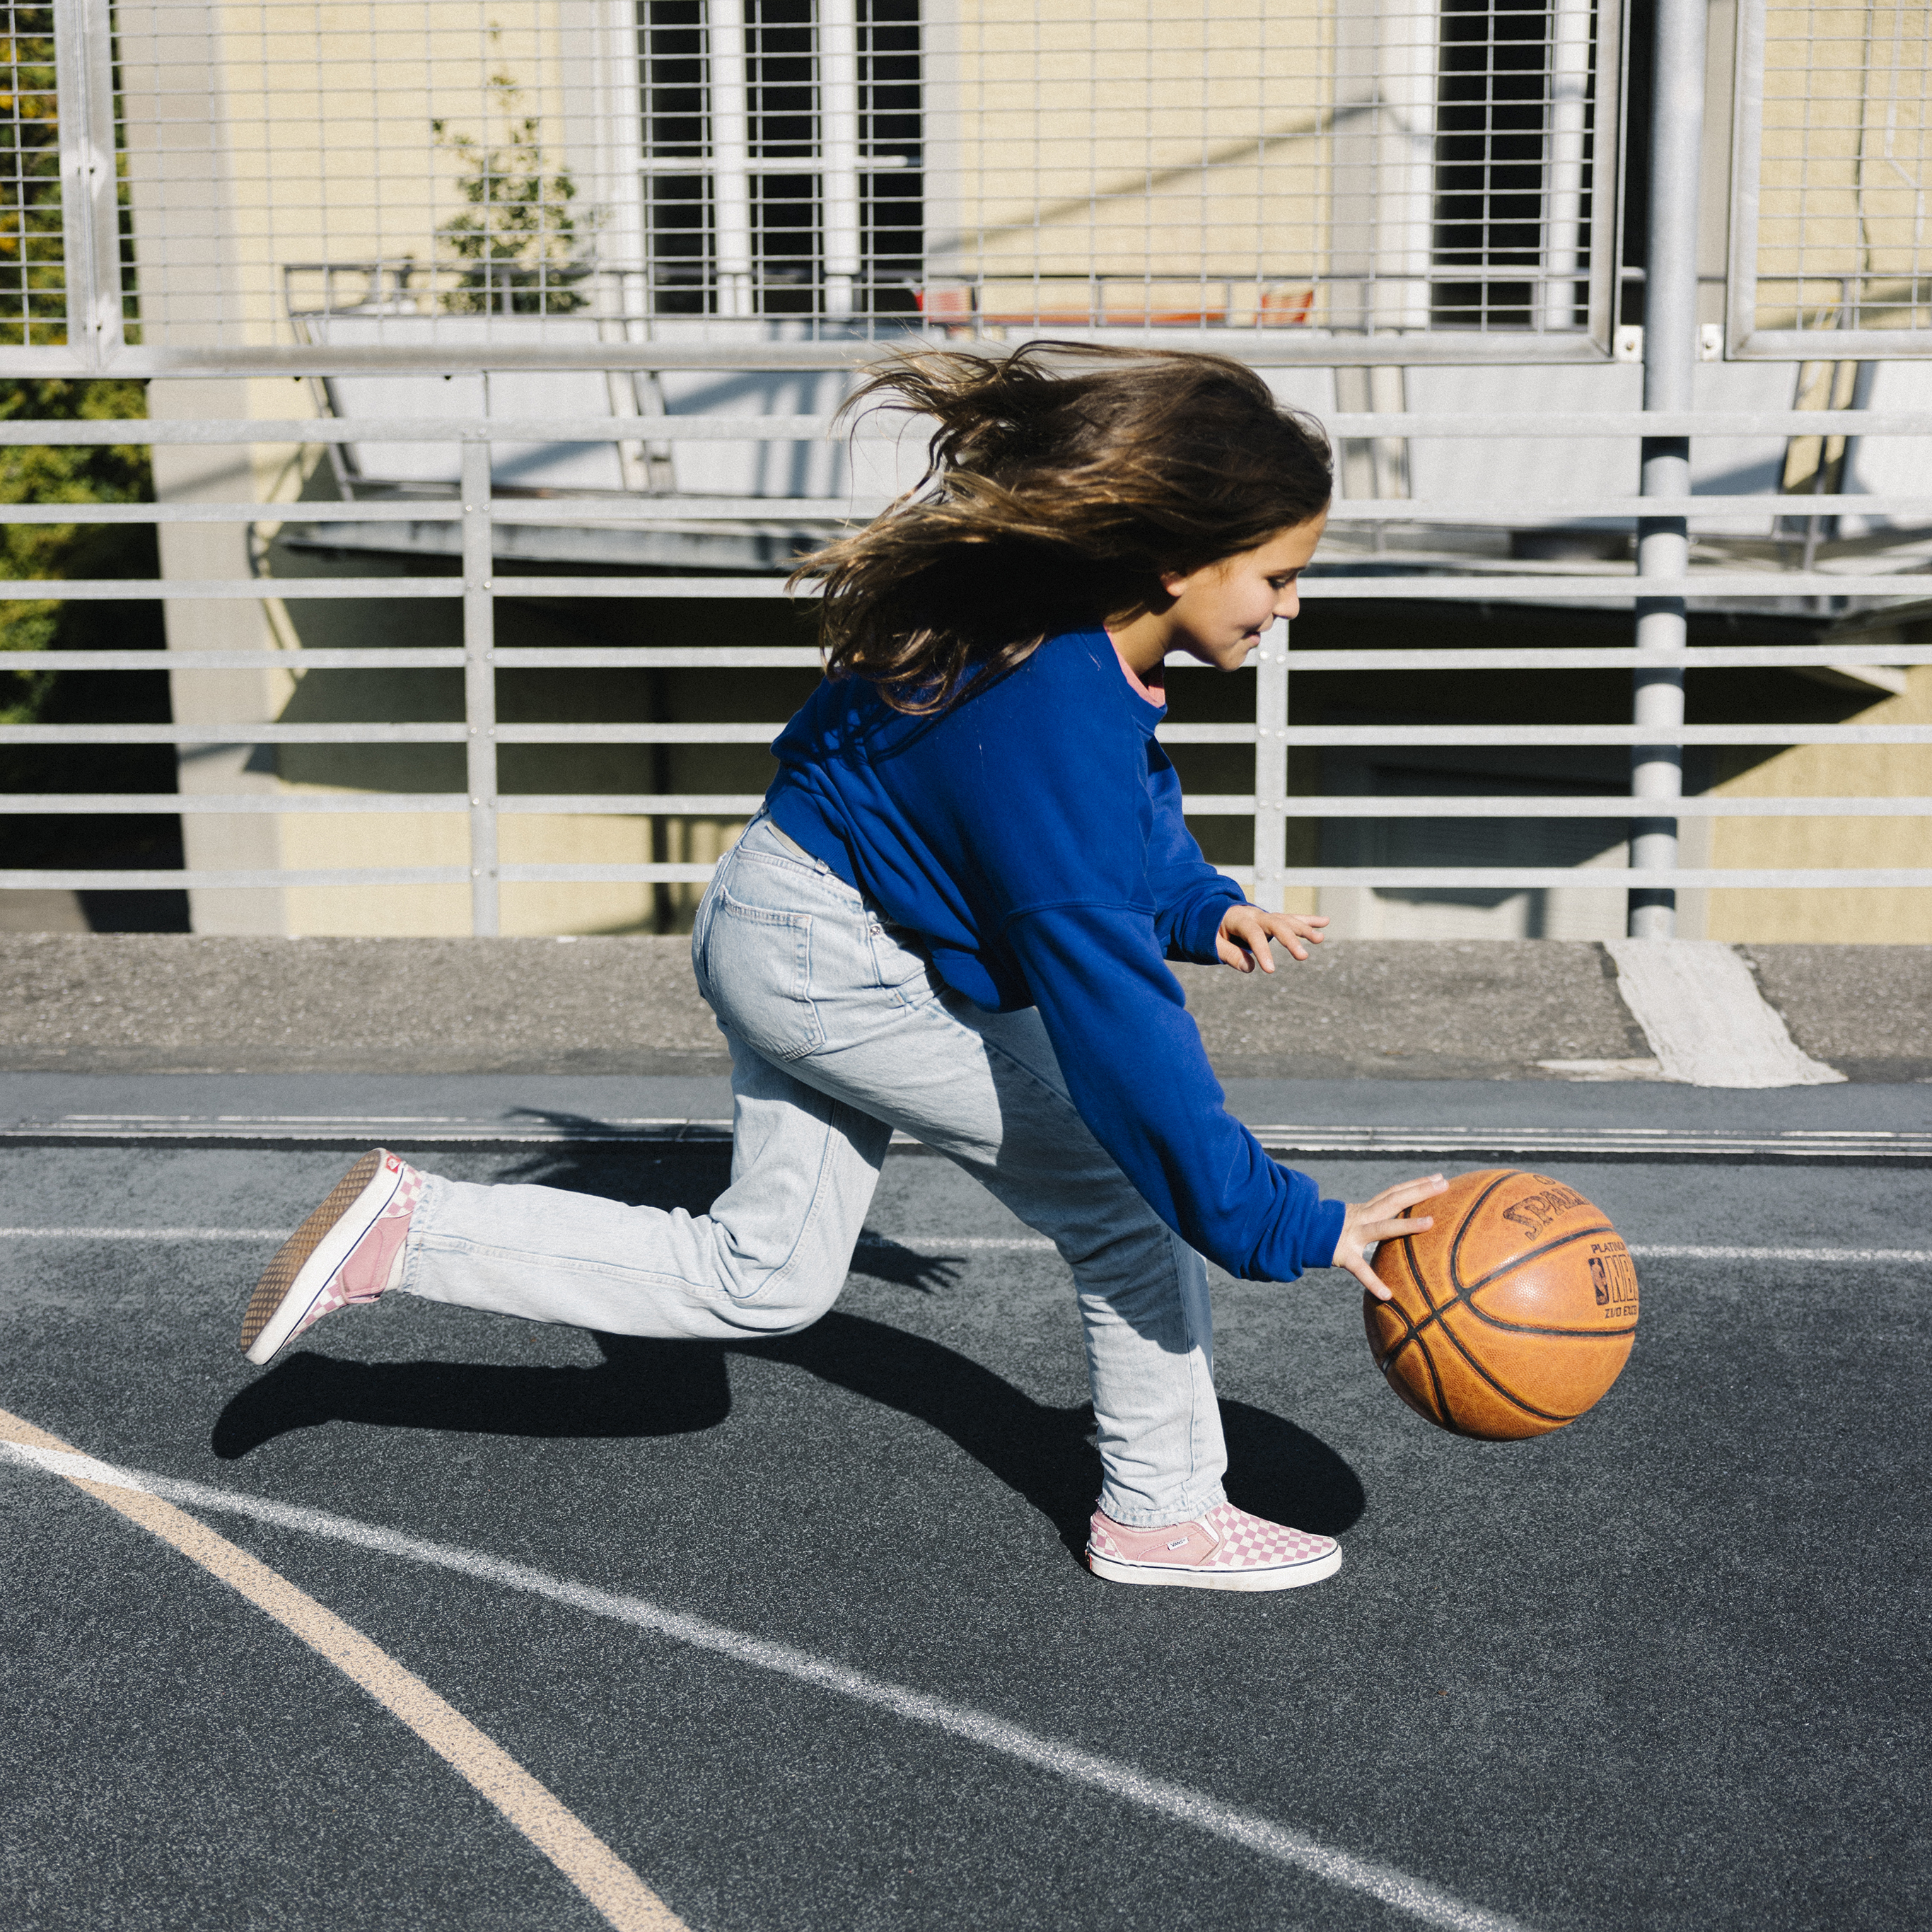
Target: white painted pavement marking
(942,1245)
(1117,1780)
(146,1234)
(1708,1025)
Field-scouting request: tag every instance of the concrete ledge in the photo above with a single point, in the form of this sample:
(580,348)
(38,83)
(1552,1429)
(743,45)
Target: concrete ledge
(1401,1010)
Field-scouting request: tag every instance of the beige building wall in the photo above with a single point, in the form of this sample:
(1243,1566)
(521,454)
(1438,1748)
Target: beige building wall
(1869,916)
(1178,153)
(1844,166)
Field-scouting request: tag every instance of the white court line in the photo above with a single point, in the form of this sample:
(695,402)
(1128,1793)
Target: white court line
(579,1856)
(944,1245)
(1116,1779)
(146,1233)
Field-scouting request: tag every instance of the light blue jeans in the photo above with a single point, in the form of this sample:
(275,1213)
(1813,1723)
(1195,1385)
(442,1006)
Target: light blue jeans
(839,1033)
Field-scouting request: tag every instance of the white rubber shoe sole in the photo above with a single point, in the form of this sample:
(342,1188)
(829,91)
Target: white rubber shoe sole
(1187,1577)
(293,1281)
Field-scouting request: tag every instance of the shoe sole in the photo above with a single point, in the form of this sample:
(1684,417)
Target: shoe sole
(303,1264)
(1174,1576)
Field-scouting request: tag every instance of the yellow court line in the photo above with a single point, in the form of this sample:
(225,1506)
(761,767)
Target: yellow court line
(583,1857)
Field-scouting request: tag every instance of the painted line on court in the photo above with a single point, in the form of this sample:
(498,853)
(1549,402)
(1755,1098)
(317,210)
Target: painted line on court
(1112,1777)
(942,1245)
(603,1878)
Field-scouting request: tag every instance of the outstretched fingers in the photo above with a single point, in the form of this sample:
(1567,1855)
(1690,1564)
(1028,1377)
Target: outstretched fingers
(1367,1225)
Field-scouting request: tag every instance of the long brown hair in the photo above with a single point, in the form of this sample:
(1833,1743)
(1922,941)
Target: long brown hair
(1063,481)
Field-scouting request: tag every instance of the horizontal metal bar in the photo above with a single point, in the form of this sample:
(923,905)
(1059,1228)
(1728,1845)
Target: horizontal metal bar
(735,657)
(605,875)
(599,511)
(1615,585)
(240,732)
(132,589)
(72,881)
(881,426)
(1357,804)
(375,657)
(1620,585)
(742,805)
(1313,735)
(655,657)
(637,734)
(61,804)
(1591,878)
(1542,510)
(433,511)
(1266,347)
(1444,878)
(1619,657)
(701,588)
(646,805)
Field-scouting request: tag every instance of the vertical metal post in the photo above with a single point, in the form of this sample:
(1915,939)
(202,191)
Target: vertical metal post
(730,156)
(1556,294)
(91,237)
(838,150)
(1271,663)
(1669,360)
(479,685)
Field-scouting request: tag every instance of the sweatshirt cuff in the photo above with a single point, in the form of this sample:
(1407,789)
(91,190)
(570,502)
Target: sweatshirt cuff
(1204,923)
(1326,1232)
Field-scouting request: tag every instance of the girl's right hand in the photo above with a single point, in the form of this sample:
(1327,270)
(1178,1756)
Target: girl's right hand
(1369,1223)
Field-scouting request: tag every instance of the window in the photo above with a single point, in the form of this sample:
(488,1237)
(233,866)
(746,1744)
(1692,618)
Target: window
(782,157)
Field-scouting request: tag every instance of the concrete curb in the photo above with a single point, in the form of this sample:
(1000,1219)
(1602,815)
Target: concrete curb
(1536,1010)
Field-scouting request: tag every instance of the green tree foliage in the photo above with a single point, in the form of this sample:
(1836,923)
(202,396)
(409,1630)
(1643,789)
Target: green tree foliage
(33,313)
(521,244)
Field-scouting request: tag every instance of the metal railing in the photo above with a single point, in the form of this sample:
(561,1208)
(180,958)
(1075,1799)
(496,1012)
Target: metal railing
(1268,806)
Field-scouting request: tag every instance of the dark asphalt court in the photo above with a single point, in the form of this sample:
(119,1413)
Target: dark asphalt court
(1665,1669)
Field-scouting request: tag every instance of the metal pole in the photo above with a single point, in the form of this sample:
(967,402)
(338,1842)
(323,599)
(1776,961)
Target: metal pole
(730,158)
(1669,360)
(479,685)
(1270,664)
(838,150)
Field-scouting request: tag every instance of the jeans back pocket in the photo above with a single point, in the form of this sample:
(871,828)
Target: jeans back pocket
(757,965)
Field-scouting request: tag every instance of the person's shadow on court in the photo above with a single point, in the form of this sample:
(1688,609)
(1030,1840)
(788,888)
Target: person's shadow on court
(645,1388)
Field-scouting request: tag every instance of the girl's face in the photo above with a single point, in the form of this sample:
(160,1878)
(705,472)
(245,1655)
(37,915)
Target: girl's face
(1220,610)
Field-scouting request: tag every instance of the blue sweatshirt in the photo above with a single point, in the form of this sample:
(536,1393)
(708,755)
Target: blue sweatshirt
(1032,836)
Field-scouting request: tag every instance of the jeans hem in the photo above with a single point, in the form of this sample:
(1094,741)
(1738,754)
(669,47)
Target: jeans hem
(1185,1512)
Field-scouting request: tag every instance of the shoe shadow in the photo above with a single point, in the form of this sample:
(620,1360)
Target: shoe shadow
(644,1388)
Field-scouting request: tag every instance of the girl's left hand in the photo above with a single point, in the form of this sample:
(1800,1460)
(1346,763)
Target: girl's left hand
(1243,940)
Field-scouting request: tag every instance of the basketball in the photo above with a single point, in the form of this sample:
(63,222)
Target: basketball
(1511,1316)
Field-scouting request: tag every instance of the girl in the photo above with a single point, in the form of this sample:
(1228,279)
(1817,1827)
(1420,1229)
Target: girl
(951,917)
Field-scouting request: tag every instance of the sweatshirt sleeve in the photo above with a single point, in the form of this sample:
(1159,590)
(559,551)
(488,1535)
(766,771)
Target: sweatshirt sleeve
(1135,1067)
(1191,897)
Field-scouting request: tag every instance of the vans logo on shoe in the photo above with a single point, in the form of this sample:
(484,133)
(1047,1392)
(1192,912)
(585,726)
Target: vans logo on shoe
(1181,1543)
(393,1165)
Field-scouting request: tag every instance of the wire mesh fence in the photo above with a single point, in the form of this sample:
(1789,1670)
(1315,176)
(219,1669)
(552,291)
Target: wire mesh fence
(1290,177)
(576,285)
(1832,253)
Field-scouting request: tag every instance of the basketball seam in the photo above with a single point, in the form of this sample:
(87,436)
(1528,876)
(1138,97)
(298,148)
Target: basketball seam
(1456,1294)
(1415,1335)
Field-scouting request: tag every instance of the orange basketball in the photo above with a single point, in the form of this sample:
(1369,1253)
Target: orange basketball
(1512,1315)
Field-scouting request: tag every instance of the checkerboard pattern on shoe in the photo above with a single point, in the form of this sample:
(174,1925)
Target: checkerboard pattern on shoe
(343,1254)
(1227,1549)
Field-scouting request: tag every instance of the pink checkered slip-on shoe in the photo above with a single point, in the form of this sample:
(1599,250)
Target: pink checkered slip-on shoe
(346,1253)
(1226,1549)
